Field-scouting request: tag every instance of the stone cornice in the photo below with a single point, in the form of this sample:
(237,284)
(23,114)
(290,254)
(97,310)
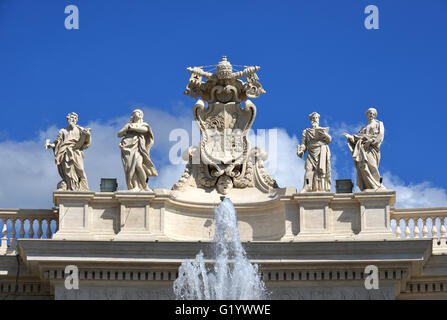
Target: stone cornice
(343,252)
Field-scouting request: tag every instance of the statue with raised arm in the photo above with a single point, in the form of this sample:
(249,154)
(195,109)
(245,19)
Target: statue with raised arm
(315,141)
(69,156)
(365,150)
(135,147)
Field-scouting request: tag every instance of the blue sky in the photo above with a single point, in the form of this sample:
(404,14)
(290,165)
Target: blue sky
(315,56)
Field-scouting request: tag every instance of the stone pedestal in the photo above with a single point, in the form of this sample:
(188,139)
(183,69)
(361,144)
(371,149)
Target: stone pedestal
(314,214)
(375,221)
(344,216)
(75,219)
(134,215)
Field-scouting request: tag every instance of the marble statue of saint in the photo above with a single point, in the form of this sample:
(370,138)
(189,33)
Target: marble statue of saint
(365,150)
(318,160)
(69,156)
(135,146)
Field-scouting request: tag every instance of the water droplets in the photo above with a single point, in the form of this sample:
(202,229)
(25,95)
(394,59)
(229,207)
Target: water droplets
(233,277)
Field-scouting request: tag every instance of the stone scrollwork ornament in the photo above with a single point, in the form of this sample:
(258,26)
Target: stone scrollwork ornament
(224,159)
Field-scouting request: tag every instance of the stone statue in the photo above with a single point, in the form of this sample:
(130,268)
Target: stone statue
(68,153)
(318,160)
(365,150)
(224,159)
(135,146)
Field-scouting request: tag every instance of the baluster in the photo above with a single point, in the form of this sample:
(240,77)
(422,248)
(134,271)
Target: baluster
(398,231)
(4,229)
(31,228)
(48,229)
(57,225)
(443,231)
(39,229)
(424,229)
(4,240)
(434,230)
(417,233)
(407,228)
(13,233)
(13,228)
(22,228)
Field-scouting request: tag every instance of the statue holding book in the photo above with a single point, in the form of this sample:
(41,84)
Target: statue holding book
(365,150)
(68,150)
(315,141)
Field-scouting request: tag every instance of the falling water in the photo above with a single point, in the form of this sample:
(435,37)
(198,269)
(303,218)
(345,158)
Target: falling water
(233,277)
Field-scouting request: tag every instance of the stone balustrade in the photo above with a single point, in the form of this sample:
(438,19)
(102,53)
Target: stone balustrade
(406,224)
(26,223)
(420,223)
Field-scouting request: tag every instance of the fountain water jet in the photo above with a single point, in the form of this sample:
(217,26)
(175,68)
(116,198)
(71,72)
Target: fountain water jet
(233,277)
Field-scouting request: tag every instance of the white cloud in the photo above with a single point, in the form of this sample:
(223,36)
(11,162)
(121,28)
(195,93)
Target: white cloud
(337,131)
(103,158)
(26,170)
(168,175)
(29,175)
(283,164)
(415,195)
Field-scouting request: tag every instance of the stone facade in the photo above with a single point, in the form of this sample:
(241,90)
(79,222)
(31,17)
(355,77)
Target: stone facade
(282,215)
(312,244)
(129,245)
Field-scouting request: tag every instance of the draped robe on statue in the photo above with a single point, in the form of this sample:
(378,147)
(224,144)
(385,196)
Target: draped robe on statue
(69,157)
(318,159)
(367,159)
(137,163)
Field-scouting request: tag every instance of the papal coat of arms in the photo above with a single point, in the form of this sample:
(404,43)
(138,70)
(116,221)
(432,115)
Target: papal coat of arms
(224,159)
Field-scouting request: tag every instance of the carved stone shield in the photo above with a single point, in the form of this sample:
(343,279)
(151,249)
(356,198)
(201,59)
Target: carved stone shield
(224,129)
